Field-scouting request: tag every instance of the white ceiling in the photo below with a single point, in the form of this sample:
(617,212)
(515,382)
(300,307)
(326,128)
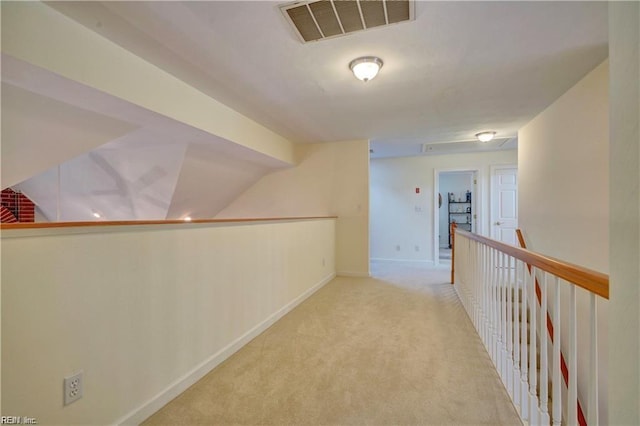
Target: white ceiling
(459,68)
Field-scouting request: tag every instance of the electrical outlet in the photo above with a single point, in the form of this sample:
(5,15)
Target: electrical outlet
(417,248)
(397,248)
(72,388)
(323,262)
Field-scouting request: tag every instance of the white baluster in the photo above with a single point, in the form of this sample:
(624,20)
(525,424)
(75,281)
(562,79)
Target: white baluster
(494,310)
(472,282)
(556,374)
(524,393)
(506,324)
(476,306)
(533,369)
(479,289)
(516,338)
(462,245)
(485,300)
(494,307)
(509,323)
(544,367)
(503,317)
(572,395)
(489,330)
(593,419)
(467,281)
(490,303)
(465,290)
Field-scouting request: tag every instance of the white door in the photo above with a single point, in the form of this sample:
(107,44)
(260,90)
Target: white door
(504,204)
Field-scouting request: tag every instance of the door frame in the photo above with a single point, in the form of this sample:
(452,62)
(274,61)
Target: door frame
(476,204)
(492,195)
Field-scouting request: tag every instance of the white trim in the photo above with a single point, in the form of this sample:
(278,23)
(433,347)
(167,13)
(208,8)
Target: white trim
(148,408)
(97,228)
(477,204)
(381,259)
(353,274)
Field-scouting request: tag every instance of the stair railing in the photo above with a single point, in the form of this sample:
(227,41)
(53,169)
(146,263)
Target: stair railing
(496,283)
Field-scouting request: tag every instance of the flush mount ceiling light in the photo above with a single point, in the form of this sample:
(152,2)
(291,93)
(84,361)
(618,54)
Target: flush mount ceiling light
(366,67)
(485,136)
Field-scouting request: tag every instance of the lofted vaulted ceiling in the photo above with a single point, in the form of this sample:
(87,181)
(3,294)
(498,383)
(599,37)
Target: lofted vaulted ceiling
(456,69)
(77,152)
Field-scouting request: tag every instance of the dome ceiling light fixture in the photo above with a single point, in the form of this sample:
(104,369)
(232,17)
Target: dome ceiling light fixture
(365,68)
(485,136)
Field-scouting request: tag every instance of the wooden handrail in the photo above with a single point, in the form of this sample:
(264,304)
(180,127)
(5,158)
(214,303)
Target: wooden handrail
(42,225)
(593,281)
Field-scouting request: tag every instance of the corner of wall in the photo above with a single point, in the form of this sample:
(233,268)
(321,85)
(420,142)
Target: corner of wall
(330,179)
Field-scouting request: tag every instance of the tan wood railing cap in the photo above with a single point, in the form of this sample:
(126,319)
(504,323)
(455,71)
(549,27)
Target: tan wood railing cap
(593,281)
(42,225)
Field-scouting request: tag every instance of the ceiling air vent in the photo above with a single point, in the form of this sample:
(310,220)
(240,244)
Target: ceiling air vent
(465,146)
(317,20)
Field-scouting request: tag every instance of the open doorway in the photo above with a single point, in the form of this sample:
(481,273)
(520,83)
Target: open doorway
(456,193)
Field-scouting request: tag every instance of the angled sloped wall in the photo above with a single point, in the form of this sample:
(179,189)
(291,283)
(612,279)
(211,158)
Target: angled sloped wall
(63,98)
(39,35)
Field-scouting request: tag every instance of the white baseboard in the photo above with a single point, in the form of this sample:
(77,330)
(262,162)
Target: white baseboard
(380,259)
(143,412)
(353,274)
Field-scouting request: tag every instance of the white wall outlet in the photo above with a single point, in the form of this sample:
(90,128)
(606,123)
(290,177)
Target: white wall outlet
(417,248)
(323,262)
(72,388)
(397,248)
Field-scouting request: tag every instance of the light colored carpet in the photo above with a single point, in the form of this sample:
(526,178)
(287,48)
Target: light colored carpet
(394,349)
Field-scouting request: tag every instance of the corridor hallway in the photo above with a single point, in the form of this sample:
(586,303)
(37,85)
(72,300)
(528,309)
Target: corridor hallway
(397,348)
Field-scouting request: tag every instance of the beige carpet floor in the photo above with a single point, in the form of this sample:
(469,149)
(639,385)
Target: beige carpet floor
(394,349)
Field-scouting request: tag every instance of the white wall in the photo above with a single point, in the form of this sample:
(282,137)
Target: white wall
(563,204)
(624,320)
(144,311)
(400,217)
(330,179)
(563,169)
(458,183)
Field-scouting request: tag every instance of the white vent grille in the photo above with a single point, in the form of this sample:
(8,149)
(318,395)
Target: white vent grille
(463,146)
(318,20)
